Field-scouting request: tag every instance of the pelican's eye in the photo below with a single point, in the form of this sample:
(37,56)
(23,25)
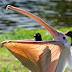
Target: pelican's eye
(63,38)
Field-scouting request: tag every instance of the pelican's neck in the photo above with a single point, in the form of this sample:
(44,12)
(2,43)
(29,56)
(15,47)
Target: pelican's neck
(62,60)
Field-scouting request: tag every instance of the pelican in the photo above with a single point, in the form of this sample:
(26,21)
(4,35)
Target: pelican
(41,56)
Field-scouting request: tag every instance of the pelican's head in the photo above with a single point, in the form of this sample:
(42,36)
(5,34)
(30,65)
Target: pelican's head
(57,35)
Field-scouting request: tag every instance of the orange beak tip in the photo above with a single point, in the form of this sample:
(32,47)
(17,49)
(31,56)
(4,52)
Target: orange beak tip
(8,7)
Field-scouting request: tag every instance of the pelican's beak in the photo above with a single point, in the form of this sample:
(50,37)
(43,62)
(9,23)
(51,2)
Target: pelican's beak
(37,19)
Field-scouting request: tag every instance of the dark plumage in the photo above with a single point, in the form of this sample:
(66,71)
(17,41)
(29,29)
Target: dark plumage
(69,33)
(37,37)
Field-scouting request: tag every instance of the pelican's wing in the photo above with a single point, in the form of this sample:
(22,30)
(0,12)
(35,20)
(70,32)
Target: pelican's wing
(37,56)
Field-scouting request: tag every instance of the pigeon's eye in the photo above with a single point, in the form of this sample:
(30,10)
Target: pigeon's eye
(63,38)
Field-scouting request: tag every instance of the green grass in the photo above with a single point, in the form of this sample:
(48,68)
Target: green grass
(8,63)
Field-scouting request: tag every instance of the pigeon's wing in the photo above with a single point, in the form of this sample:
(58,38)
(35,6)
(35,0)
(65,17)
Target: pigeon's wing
(38,56)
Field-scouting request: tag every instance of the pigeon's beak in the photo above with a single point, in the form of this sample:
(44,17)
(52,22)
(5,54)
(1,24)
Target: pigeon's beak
(66,33)
(34,36)
(37,19)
